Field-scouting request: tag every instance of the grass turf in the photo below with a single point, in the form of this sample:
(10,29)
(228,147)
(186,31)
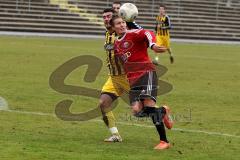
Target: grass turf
(205,97)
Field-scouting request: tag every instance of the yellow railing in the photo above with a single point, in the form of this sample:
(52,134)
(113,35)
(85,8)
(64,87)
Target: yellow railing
(83,13)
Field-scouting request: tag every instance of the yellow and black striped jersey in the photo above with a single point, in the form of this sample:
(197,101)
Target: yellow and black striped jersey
(163,25)
(114,65)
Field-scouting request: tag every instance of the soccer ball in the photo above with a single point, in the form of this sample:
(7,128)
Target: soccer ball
(128,12)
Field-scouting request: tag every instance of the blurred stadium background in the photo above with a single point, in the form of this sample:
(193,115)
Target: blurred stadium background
(191,19)
(205,99)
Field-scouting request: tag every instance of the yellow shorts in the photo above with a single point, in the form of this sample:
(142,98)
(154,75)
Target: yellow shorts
(163,41)
(117,85)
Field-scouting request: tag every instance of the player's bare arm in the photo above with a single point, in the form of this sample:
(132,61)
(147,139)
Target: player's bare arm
(158,49)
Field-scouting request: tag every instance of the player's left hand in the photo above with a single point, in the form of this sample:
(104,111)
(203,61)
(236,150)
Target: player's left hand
(159,49)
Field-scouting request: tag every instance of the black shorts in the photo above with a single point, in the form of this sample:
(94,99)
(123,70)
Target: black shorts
(145,87)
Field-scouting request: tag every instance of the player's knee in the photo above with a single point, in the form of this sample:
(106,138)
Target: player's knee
(105,102)
(136,107)
(135,110)
(102,103)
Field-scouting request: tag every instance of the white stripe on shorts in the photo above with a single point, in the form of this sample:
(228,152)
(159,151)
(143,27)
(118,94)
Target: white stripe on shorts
(149,86)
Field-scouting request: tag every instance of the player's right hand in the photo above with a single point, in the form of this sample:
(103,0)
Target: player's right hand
(159,49)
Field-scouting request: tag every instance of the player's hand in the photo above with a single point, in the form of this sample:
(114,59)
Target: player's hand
(159,49)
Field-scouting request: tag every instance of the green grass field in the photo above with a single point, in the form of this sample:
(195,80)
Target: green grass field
(206,97)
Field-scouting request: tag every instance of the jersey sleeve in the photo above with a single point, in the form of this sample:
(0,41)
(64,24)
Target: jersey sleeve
(168,24)
(148,36)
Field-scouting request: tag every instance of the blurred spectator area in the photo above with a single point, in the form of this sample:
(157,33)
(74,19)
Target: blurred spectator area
(191,19)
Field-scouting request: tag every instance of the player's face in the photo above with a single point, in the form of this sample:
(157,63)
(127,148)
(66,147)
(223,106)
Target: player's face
(120,26)
(116,7)
(106,19)
(161,10)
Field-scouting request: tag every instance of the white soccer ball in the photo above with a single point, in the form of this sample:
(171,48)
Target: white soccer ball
(128,12)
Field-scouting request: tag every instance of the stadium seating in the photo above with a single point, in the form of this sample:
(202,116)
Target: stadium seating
(40,16)
(191,19)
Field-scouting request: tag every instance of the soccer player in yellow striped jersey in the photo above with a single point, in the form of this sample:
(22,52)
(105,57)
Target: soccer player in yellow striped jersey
(116,84)
(163,25)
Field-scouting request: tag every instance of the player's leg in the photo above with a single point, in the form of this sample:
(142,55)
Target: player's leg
(108,95)
(167,45)
(148,109)
(137,107)
(147,94)
(105,103)
(157,115)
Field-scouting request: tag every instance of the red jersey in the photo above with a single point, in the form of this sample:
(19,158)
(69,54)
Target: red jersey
(131,50)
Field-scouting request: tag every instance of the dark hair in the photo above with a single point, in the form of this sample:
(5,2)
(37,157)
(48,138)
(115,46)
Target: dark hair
(108,10)
(117,2)
(162,5)
(115,16)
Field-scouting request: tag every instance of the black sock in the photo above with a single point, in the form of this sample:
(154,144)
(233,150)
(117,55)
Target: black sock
(156,114)
(161,131)
(157,121)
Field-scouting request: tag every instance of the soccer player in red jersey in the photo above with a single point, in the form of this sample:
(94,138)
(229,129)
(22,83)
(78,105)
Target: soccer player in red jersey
(131,49)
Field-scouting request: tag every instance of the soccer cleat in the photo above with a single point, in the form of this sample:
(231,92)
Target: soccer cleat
(113,138)
(162,145)
(167,119)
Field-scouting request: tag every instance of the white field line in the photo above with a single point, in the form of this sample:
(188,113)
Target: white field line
(131,124)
